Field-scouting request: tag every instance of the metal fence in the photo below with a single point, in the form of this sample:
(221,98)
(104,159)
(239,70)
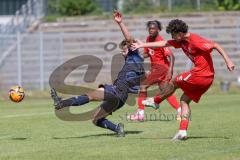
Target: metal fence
(35,56)
(28,13)
(30,59)
(9,7)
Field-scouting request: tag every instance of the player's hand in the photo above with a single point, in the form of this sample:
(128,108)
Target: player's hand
(117,16)
(137,45)
(230,65)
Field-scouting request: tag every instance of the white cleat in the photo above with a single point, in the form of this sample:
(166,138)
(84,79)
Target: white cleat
(149,102)
(136,117)
(181,135)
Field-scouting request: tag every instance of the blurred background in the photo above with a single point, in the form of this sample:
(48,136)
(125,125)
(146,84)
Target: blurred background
(37,36)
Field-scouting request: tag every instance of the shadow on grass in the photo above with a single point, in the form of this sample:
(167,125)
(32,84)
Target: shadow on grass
(19,138)
(9,137)
(207,137)
(99,135)
(191,137)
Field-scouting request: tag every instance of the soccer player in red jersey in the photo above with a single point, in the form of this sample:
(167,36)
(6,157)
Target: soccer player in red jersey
(162,61)
(195,82)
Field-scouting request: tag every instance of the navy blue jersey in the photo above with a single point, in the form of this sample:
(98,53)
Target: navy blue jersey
(128,79)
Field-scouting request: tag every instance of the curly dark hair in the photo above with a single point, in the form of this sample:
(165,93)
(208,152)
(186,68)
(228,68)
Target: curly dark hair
(176,26)
(155,22)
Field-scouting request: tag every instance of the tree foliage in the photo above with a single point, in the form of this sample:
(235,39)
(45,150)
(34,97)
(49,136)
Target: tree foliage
(227,5)
(72,7)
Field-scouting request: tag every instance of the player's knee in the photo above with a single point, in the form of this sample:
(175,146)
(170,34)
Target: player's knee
(183,103)
(95,122)
(173,83)
(89,96)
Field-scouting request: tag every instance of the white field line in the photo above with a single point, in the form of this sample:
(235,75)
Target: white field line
(27,115)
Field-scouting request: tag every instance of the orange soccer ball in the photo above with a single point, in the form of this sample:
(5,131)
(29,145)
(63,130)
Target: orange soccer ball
(16,94)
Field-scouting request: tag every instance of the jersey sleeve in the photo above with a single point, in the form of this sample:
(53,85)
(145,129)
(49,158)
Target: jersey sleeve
(174,43)
(205,45)
(167,51)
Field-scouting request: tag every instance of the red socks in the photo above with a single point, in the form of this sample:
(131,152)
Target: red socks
(172,100)
(183,125)
(142,96)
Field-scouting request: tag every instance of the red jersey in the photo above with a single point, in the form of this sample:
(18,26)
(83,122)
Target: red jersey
(158,55)
(199,51)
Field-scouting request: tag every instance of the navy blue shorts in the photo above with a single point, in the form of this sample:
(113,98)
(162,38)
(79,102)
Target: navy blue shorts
(112,100)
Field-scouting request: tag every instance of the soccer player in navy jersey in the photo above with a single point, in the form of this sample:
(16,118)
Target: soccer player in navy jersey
(113,96)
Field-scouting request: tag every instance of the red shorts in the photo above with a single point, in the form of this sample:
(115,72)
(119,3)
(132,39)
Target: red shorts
(193,86)
(157,75)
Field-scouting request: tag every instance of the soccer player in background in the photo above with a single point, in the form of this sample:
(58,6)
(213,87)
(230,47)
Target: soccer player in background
(195,82)
(113,96)
(162,62)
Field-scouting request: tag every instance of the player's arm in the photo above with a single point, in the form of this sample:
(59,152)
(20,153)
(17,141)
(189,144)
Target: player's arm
(118,18)
(145,53)
(225,56)
(171,60)
(140,44)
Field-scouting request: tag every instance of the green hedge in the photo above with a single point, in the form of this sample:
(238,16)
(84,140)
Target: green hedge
(226,5)
(72,7)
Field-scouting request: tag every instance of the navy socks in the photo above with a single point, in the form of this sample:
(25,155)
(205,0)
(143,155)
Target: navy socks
(76,101)
(105,123)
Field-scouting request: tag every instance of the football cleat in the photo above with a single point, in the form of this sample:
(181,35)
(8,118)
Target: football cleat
(149,102)
(181,135)
(57,100)
(120,130)
(135,117)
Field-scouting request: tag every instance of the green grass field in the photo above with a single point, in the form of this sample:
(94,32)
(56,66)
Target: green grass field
(31,131)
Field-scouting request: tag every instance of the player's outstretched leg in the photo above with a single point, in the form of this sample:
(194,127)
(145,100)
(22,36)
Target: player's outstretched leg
(186,112)
(78,100)
(166,91)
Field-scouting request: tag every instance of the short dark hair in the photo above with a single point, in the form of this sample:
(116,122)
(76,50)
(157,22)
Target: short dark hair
(126,42)
(123,43)
(176,26)
(155,22)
